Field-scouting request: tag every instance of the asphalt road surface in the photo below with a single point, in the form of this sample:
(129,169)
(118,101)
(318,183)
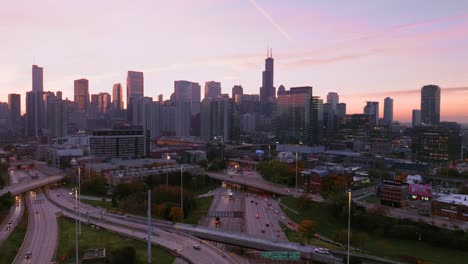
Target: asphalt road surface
(41,237)
(170,240)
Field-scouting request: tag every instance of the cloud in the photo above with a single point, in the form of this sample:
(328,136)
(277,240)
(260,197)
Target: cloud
(270,19)
(444,90)
(330,60)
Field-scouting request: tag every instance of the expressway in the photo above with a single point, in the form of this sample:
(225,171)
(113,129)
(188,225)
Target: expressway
(260,184)
(42,234)
(23,187)
(12,220)
(168,239)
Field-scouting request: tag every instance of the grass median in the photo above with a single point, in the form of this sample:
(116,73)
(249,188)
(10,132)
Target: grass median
(92,238)
(328,225)
(203,206)
(12,244)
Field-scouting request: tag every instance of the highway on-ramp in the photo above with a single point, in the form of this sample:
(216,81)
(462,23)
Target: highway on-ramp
(170,240)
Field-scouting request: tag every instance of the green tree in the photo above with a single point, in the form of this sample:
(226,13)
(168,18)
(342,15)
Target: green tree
(176,214)
(306,228)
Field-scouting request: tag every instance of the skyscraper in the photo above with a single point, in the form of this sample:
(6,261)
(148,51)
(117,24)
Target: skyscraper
(135,90)
(372,111)
(14,109)
(268,91)
(33,116)
(37,79)
(295,116)
(81,96)
(57,117)
(333,99)
(430,105)
(135,85)
(117,96)
(212,89)
(388,111)
(104,102)
(416,117)
(215,118)
(187,108)
(237,89)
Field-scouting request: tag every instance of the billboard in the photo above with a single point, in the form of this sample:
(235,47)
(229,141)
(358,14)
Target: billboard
(420,190)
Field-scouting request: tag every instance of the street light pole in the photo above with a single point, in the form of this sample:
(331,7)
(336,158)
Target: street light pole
(181,189)
(296,172)
(79,199)
(76,227)
(349,223)
(269,155)
(148,260)
(167,171)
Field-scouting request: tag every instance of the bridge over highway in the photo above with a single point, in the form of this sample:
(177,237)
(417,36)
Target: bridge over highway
(263,185)
(19,188)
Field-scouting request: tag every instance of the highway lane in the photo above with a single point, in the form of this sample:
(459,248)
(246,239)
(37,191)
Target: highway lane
(170,240)
(41,237)
(261,220)
(14,217)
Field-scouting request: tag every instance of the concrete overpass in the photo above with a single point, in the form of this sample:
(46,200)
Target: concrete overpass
(19,188)
(263,185)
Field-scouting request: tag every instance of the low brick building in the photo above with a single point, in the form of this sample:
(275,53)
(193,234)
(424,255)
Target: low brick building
(453,206)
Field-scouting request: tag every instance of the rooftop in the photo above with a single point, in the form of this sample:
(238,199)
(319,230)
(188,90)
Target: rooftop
(454,199)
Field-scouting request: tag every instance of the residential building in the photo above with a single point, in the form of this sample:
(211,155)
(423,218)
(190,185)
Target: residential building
(388,111)
(416,117)
(372,111)
(237,89)
(117,96)
(37,79)
(121,142)
(81,95)
(430,105)
(216,119)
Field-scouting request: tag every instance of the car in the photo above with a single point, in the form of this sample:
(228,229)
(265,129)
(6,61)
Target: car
(271,207)
(10,222)
(257,216)
(322,251)
(282,217)
(7,228)
(251,201)
(263,231)
(37,212)
(28,255)
(267,225)
(276,212)
(256,203)
(197,247)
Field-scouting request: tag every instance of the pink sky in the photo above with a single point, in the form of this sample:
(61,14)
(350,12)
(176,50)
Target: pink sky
(360,49)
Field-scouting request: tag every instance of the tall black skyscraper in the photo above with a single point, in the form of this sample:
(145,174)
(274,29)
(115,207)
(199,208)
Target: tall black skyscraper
(37,79)
(14,107)
(268,91)
(430,105)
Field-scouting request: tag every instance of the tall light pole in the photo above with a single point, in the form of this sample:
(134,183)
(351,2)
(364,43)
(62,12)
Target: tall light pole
(349,223)
(148,259)
(76,225)
(296,171)
(269,155)
(167,171)
(75,163)
(181,189)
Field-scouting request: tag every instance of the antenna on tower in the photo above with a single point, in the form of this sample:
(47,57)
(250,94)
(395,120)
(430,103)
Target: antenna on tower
(271,52)
(268,48)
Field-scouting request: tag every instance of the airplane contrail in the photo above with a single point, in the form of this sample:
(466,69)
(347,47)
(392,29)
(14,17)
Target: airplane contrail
(270,19)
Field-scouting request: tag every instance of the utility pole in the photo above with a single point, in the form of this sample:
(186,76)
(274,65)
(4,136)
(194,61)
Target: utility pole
(181,188)
(148,260)
(349,223)
(296,172)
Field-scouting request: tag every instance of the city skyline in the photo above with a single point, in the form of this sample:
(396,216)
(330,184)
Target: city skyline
(362,58)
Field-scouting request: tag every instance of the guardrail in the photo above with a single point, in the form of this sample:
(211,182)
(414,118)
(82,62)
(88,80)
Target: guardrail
(98,221)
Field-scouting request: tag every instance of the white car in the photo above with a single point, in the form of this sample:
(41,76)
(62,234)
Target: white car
(322,251)
(282,217)
(276,212)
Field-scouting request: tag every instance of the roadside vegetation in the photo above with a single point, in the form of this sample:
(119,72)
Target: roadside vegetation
(6,202)
(380,235)
(132,197)
(119,249)
(12,244)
